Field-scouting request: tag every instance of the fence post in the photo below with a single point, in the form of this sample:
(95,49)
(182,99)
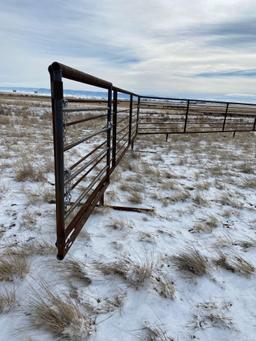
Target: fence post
(137,118)
(254,125)
(114,129)
(58,138)
(225,117)
(130,120)
(186,117)
(109,126)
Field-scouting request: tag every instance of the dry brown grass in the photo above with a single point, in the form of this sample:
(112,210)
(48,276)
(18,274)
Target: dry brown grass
(119,224)
(204,185)
(134,272)
(246,168)
(29,220)
(229,200)
(135,197)
(205,225)
(249,183)
(7,300)
(59,315)
(26,171)
(154,333)
(163,285)
(76,270)
(170,185)
(31,249)
(151,171)
(104,305)
(191,262)
(48,195)
(131,187)
(13,266)
(179,196)
(146,237)
(212,315)
(235,264)
(200,200)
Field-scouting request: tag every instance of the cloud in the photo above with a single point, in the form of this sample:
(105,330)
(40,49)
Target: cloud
(233,73)
(168,47)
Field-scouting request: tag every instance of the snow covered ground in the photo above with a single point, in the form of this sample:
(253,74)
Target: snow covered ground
(185,271)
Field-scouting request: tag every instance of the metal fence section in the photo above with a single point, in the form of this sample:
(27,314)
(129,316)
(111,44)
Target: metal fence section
(178,116)
(91,137)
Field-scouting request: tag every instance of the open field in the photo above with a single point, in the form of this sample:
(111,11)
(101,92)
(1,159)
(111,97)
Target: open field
(184,271)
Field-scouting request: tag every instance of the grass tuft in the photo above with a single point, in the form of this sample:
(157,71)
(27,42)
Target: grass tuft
(235,264)
(59,315)
(191,262)
(134,272)
(154,333)
(7,300)
(26,171)
(13,266)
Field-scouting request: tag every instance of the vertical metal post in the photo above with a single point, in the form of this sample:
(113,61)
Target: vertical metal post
(130,120)
(254,124)
(138,113)
(109,126)
(114,129)
(186,117)
(57,118)
(225,117)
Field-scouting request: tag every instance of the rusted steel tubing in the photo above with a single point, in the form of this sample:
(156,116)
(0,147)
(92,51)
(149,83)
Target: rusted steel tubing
(122,137)
(123,119)
(84,100)
(128,109)
(109,125)
(83,195)
(73,144)
(121,130)
(83,120)
(119,158)
(115,98)
(87,155)
(81,169)
(57,101)
(84,109)
(78,76)
(131,209)
(137,115)
(80,219)
(186,117)
(123,91)
(88,172)
(195,132)
(195,100)
(122,146)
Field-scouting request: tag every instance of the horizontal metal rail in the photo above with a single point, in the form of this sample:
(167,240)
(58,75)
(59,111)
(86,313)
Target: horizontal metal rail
(81,169)
(88,172)
(83,120)
(85,109)
(83,195)
(86,138)
(87,155)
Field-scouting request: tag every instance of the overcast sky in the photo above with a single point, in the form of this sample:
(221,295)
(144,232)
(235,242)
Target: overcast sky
(200,48)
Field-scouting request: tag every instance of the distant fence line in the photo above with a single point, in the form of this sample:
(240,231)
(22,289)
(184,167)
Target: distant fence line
(85,178)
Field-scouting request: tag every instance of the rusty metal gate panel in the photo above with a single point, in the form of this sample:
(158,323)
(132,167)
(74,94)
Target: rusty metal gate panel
(81,180)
